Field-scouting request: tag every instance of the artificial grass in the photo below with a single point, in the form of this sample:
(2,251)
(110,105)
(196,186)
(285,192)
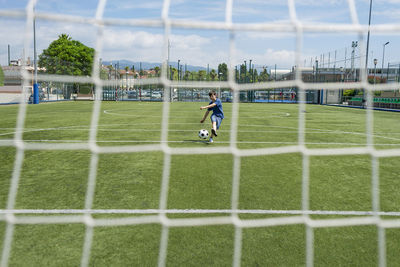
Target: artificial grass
(57,179)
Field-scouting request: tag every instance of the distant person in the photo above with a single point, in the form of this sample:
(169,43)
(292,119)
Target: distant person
(293,95)
(218,114)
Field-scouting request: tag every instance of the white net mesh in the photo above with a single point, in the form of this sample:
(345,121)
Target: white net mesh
(231,216)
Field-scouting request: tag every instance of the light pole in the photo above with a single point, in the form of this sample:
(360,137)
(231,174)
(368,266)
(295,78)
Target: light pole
(341,80)
(354,44)
(369,23)
(375,62)
(35,84)
(219,86)
(245,72)
(249,94)
(341,74)
(178,68)
(250,69)
(383,58)
(236,74)
(169,47)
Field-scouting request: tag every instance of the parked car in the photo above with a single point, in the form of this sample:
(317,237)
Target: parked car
(156,95)
(57,91)
(131,94)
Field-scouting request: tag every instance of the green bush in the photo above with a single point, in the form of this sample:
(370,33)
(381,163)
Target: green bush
(85,88)
(349,92)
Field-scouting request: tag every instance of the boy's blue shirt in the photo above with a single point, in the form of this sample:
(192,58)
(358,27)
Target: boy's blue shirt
(217,110)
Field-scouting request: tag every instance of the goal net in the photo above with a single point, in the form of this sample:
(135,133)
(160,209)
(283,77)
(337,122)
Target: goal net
(167,232)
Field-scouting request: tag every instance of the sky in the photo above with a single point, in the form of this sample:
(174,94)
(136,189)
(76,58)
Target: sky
(202,47)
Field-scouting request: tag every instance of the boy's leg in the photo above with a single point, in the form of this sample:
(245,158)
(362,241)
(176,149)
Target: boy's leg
(213,125)
(214,129)
(216,123)
(212,132)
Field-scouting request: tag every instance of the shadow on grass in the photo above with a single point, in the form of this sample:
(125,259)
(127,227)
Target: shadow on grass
(197,141)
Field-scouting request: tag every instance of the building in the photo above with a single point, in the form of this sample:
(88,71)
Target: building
(127,78)
(329,75)
(278,74)
(13,75)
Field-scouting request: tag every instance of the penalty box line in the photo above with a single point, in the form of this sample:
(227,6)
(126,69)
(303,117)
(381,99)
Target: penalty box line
(190,141)
(198,211)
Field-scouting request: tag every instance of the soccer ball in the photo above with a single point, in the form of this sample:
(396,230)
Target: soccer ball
(203,134)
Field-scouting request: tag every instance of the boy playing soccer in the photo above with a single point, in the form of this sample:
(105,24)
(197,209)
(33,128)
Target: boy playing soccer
(218,114)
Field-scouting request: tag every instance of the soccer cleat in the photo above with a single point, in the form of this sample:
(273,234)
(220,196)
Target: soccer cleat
(214,132)
(211,140)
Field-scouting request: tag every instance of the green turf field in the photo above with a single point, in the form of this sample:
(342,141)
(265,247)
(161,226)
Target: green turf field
(57,179)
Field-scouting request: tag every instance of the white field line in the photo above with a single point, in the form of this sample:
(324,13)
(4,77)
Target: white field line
(192,141)
(194,130)
(282,114)
(310,130)
(198,211)
(266,115)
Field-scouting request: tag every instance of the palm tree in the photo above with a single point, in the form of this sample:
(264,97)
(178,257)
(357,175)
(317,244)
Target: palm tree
(133,71)
(213,74)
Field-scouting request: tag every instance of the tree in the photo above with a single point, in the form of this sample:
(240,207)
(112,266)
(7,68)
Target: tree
(173,73)
(187,75)
(255,76)
(213,75)
(110,71)
(134,71)
(104,73)
(223,72)
(157,70)
(243,73)
(349,92)
(263,77)
(67,56)
(376,79)
(202,75)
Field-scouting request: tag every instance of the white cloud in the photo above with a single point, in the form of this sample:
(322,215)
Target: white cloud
(124,39)
(194,49)
(197,47)
(120,43)
(147,46)
(192,41)
(283,58)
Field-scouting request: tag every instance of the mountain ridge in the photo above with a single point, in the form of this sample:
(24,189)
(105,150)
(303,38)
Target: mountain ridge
(149,65)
